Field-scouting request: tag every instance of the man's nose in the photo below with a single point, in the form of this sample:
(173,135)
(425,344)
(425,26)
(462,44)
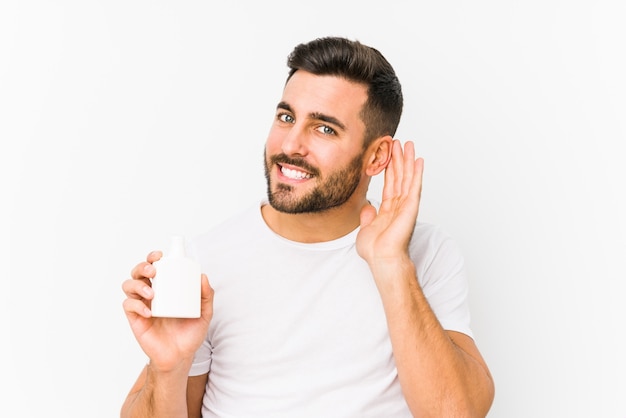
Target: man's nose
(295,142)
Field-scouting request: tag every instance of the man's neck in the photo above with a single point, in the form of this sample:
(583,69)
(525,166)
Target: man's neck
(314,227)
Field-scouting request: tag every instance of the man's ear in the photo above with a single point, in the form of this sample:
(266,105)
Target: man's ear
(378,155)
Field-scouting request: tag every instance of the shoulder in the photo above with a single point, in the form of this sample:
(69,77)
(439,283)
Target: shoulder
(430,236)
(435,252)
(229,232)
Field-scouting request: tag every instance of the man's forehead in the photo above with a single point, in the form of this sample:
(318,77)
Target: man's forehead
(302,77)
(310,93)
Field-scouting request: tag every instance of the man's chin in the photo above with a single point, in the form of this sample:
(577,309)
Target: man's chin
(297,208)
(283,207)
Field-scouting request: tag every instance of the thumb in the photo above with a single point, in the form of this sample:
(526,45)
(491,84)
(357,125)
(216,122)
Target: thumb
(207,297)
(368,213)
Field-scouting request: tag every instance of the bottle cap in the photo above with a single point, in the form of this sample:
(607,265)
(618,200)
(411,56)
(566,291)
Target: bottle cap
(177,246)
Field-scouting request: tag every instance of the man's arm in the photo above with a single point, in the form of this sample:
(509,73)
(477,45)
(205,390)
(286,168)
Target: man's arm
(157,394)
(196,386)
(458,382)
(162,388)
(150,394)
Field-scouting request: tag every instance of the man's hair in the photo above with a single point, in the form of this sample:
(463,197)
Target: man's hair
(359,63)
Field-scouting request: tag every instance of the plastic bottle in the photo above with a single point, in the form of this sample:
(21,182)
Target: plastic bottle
(176,284)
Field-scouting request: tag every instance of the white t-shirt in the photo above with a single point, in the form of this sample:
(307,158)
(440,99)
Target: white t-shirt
(299,330)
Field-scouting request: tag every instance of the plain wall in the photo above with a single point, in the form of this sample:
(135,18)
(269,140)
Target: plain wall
(123,122)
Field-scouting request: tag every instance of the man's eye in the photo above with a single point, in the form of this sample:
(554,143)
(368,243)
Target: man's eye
(326,130)
(286,118)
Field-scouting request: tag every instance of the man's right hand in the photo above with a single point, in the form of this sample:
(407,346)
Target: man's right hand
(168,342)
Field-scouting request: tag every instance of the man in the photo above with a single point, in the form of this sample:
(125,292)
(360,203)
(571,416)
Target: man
(321,303)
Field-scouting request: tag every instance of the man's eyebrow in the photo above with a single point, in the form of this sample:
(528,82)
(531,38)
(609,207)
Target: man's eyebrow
(285,106)
(326,118)
(314,115)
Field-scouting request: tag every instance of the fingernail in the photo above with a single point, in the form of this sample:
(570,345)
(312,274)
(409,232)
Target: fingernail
(146,291)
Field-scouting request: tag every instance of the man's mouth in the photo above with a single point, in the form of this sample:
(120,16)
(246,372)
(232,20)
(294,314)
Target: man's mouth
(293,173)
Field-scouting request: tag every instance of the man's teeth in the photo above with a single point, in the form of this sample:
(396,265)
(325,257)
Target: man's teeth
(294,174)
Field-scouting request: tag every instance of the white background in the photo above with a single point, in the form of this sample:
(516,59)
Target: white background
(122,122)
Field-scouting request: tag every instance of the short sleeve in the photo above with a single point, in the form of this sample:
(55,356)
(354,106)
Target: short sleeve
(441,273)
(202,360)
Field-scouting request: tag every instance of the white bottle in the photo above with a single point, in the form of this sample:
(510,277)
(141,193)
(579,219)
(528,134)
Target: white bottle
(176,284)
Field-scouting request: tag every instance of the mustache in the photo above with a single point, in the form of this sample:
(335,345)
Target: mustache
(298,162)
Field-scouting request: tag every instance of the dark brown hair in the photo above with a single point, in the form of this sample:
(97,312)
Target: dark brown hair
(359,63)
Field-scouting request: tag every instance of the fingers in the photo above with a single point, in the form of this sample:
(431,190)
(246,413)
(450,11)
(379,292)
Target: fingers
(408,167)
(418,173)
(145,269)
(136,306)
(139,294)
(138,288)
(398,167)
(393,172)
(403,175)
(154,256)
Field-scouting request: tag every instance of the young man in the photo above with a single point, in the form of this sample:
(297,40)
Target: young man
(321,303)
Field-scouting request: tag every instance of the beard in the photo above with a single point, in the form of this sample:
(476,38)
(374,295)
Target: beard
(333,190)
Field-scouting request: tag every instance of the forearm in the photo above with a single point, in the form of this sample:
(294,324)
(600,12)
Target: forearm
(438,377)
(158,394)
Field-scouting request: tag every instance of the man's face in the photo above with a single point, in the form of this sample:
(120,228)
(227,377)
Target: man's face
(314,152)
